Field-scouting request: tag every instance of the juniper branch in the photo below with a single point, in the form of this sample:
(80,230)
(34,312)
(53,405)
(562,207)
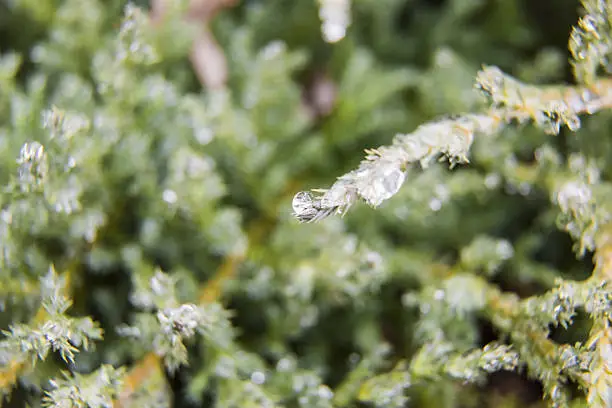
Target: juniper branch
(524,322)
(95,390)
(50,330)
(590,41)
(600,384)
(383,171)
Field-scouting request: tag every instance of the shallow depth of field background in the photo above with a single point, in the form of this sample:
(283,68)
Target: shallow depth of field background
(205,159)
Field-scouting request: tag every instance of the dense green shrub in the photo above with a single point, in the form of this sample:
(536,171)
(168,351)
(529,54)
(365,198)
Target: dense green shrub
(151,155)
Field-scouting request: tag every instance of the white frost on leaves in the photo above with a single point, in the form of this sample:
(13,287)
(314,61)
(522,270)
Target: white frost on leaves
(574,196)
(504,250)
(384,170)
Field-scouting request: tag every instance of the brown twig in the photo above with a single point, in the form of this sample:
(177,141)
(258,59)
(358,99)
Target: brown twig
(207,56)
(600,387)
(147,369)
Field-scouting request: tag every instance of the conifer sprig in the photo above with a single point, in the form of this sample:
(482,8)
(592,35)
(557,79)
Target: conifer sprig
(600,341)
(579,192)
(383,171)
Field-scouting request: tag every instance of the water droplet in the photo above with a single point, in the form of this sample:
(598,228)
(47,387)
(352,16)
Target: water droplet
(374,258)
(225,367)
(435,204)
(309,318)
(350,245)
(197,166)
(343,272)
(71,163)
(325,392)
(505,250)
(204,135)
(273,49)
(524,189)
(258,377)
(169,196)
(439,294)
(303,205)
(333,32)
(6,216)
(492,181)
(284,365)
(442,192)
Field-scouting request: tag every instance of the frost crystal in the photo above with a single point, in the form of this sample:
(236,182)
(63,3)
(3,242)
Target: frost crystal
(95,390)
(183,320)
(258,377)
(33,166)
(574,196)
(383,183)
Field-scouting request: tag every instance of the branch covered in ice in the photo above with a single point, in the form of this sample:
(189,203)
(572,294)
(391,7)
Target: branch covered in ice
(383,171)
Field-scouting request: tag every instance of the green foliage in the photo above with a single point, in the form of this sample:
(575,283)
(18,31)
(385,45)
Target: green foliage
(57,332)
(95,390)
(183,279)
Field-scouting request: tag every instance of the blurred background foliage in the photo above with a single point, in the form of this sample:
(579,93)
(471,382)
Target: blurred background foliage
(160,158)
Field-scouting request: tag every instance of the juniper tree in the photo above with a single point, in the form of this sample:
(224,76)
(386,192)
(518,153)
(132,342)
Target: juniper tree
(151,154)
